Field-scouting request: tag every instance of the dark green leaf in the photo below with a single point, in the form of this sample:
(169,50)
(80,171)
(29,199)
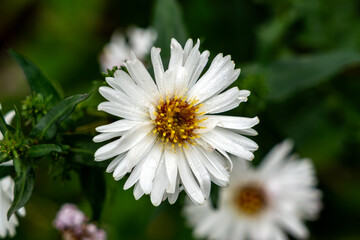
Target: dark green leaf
(6,171)
(288,76)
(18,132)
(36,79)
(168,22)
(83,149)
(43,149)
(47,127)
(3,127)
(93,184)
(24,185)
(4,157)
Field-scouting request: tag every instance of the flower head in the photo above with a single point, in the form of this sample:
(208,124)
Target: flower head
(73,224)
(261,204)
(7,195)
(168,137)
(118,49)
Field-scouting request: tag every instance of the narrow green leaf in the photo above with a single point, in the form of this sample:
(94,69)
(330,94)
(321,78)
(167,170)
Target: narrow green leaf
(36,79)
(3,125)
(94,187)
(4,157)
(24,185)
(6,171)
(288,76)
(43,149)
(47,126)
(18,132)
(168,22)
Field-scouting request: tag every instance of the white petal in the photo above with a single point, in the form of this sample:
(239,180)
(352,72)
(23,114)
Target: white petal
(247,132)
(142,77)
(123,111)
(198,169)
(169,82)
(123,82)
(222,102)
(134,176)
(106,136)
(140,151)
(158,69)
(176,57)
(120,125)
(121,168)
(171,170)
(180,81)
(276,155)
(187,49)
(174,196)
(187,178)
(150,165)
(222,143)
(113,164)
(218,77)
(234,122)
(9,116)
(138,192)
(160,184)
(295,227)
(204,57)
(121,98)
(247,143)
(192,62)
(127,141)
(212,162)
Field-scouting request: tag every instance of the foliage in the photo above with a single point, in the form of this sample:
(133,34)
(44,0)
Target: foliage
(299,59)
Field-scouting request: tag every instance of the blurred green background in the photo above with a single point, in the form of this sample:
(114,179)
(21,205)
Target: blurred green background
(299,58)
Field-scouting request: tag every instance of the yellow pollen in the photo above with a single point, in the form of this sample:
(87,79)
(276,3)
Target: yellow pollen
(176,120)
(251,199)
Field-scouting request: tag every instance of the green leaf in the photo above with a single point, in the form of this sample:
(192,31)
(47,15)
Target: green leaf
(47,126)
(36,79)
(168,22)
(43,149)
(6,171)
(19,136)
(3,125)
(286,77)
(24,185)
(94,187)
(4,157)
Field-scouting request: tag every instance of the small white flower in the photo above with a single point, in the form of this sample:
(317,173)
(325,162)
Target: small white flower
(168,137)
(118,50)
(7,195)
(261,204)
(6,198)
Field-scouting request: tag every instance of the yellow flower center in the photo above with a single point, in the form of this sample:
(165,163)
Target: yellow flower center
(251,200)
(176,121)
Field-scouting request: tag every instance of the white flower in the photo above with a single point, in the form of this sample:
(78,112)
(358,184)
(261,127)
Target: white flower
(261,204)
(168,136)
(7,195)
(6,198)
(118,50)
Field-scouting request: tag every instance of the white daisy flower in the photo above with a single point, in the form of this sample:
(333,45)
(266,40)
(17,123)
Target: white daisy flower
(7,195)
(261,204)
(118,49)
(168,136)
